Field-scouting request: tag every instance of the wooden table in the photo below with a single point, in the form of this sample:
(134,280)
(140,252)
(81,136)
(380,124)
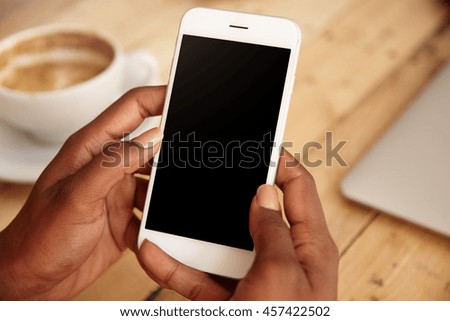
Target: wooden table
(361,63)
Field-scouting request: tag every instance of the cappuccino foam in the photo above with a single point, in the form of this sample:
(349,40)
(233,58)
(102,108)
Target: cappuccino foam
(53,61)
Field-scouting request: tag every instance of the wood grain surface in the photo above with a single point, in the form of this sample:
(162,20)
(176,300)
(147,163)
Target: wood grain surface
(361,63)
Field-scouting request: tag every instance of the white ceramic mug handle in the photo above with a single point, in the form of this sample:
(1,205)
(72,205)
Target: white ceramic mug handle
(141,68)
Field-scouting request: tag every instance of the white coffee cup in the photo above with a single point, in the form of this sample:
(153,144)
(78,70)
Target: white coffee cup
(51,115)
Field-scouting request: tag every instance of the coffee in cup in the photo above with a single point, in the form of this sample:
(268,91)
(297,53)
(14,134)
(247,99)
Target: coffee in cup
(55,79)
(54,61)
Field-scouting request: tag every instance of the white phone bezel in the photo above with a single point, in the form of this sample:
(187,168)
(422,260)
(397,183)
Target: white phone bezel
(235,26)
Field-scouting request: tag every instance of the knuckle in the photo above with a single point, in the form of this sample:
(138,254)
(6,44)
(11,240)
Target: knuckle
(300,175)
(123,154)
(170,276)
(276,270)
(73,140)
(321,252)
(131,93)
(197,290)
(141,98)
(309,252)
(79,142)
(307,178)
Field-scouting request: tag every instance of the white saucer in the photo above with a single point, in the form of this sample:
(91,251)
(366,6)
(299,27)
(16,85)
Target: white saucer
(22,158)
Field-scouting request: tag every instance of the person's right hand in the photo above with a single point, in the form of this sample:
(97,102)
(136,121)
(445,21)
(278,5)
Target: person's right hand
(299,262)
(79,217)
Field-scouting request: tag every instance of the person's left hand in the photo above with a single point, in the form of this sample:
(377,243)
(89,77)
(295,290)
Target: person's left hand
(79,216)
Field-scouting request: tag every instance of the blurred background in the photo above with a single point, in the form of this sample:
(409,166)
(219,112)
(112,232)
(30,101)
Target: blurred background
(362,62)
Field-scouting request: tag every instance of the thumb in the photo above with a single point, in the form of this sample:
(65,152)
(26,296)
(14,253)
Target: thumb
(116,160)
(271,235)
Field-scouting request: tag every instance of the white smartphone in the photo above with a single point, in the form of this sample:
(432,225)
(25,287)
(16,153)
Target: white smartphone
(223,122)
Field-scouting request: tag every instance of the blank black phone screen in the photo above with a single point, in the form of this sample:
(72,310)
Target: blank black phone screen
(218,137)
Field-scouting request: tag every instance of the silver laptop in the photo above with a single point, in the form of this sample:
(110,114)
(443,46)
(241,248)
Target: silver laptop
(407,172)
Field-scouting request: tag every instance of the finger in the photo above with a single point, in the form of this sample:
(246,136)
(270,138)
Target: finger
(131,234)
(270,234)
(276,265)
(301,200)
(169,273)
(95,180)
(313,244)
(145,170)
(141,193)
(227,283)
(121,118)
(275,253)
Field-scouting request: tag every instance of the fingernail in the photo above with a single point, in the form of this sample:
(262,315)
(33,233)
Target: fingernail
(267,197)
(156,138)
